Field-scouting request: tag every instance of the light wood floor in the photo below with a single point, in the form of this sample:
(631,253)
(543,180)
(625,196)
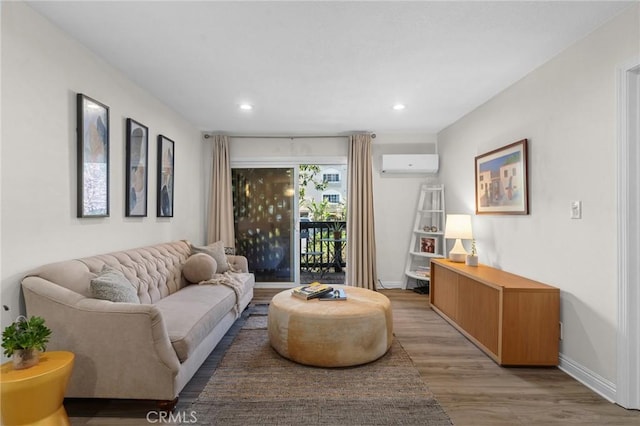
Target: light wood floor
(470,387)
(474,390)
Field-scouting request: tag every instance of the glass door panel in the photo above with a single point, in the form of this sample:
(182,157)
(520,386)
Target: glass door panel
(263,205)
(322,194)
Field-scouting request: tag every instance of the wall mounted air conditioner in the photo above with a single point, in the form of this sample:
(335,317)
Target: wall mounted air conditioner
(410,163)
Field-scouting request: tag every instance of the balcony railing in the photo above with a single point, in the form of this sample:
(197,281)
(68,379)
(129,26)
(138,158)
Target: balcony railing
(323,246)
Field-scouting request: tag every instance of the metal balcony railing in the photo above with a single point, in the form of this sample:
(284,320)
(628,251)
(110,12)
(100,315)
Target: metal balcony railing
(323,246)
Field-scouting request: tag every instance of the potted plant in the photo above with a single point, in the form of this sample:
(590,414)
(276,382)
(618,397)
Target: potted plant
(472,258)
(24,339)
(336,230)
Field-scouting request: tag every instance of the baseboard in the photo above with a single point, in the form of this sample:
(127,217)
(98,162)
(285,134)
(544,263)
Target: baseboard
(389,284)
(274,285)
(593,381)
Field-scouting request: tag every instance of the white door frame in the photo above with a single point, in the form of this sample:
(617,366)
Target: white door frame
(286,162)
(628,238)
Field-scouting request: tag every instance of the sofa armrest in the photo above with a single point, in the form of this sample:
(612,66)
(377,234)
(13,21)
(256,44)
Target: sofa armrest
(238,263)
(115,343)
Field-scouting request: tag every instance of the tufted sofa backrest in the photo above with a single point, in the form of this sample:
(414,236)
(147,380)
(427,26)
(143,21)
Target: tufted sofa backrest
(156,271)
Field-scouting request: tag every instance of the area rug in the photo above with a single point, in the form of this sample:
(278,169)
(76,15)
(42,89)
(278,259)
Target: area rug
(253,385)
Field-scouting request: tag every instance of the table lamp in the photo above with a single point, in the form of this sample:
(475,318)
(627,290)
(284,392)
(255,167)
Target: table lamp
(458,226)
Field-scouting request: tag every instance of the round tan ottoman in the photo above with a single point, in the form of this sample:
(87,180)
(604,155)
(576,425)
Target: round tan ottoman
(331,333)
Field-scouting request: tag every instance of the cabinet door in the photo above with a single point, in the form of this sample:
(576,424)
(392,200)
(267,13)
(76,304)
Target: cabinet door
(479,312)
(444,289)
(531,331)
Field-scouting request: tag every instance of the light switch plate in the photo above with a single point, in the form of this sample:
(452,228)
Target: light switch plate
(576,210)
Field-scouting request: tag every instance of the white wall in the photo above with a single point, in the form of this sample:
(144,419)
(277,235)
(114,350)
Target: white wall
(285,149)
(395,196)
(42,70)
(566,109)
(395,201)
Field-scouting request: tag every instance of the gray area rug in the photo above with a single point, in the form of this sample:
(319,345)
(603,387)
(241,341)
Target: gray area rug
(253,385)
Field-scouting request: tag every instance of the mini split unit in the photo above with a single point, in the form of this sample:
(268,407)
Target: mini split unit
(410,163)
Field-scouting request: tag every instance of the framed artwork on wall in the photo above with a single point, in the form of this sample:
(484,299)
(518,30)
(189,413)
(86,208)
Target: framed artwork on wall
(501,180)
(93,157)
(166,151)
(136,169)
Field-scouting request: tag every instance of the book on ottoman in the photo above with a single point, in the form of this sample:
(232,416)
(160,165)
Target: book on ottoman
(337,294)
(311,291)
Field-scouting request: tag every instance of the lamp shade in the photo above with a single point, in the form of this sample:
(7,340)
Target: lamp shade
(458,226)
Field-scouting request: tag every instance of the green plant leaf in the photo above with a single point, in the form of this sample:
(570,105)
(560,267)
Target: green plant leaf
(25,334)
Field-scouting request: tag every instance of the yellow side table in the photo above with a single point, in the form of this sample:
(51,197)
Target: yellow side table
(34,396)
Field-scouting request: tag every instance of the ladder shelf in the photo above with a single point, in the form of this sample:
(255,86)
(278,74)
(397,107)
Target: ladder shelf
(427,236)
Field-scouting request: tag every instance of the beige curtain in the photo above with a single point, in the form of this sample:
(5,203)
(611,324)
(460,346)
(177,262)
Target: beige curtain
(220,227)
(361,246)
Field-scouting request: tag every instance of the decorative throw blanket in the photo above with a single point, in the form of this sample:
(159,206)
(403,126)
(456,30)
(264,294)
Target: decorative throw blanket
(230,279)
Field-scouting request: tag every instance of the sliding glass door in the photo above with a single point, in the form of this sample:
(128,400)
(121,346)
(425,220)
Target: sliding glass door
(290,222)
(322,194)
(265,215)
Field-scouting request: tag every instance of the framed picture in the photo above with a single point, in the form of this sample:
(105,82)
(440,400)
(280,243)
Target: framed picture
(501,180)
(136,169)
(165,176)
(428,245)
(93,157)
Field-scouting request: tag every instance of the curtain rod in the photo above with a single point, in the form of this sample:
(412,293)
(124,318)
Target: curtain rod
(207,136)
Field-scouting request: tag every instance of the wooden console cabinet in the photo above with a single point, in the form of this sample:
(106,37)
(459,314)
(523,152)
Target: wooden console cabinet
(514,320)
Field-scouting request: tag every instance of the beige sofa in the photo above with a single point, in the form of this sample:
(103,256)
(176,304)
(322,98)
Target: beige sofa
(146,350)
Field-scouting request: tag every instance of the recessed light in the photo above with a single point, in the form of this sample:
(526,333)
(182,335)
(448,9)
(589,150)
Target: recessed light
(246,107)
(399,107)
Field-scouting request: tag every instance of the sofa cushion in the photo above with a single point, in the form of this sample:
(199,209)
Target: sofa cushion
(215,250)
(191,313)
(199,267)
(111,284)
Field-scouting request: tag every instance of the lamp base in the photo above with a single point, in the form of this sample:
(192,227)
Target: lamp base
(458,253)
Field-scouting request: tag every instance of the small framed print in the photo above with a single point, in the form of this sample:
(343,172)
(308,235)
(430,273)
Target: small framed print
(501,180)
(428,245)
(136,169)
(166,151)
(93,157)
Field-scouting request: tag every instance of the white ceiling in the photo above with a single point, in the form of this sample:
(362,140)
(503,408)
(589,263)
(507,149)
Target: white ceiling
(321,68)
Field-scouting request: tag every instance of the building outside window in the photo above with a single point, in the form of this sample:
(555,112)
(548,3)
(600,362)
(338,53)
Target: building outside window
(331,177)
(331,198)
(323,195)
